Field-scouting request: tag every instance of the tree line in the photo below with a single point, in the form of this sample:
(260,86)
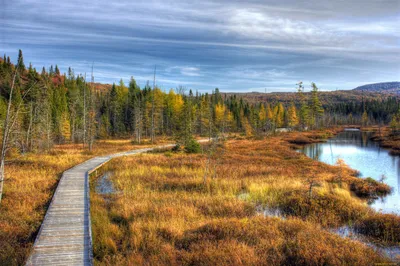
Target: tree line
(50,107)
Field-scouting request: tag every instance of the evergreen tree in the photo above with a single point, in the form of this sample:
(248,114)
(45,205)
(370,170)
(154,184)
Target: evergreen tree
(304,110)
(114,110)
(316,109)
(20,63)
(57,70)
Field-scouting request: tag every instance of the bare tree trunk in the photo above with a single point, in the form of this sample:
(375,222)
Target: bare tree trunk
(91,117)
(84,113)
(28,133)
(210,123)
(138,121)
(6,129)
(152,108)
(48,130)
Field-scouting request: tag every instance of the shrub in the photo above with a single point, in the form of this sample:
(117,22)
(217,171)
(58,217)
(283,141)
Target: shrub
(192,147)
(301,140)
(176,148)
(328,210)
(369,187)
(385,227)
(268,241)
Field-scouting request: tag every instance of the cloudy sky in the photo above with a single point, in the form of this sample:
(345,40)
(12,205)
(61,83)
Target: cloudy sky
(234,45)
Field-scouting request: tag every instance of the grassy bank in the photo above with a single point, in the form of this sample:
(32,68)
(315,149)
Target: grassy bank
(30,182)
(177,209)
(309,137)
(386,138)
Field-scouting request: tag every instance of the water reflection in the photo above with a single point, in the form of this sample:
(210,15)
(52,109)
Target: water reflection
(364,155)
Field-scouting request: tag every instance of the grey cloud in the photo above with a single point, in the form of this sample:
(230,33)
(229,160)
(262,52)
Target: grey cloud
(234,45)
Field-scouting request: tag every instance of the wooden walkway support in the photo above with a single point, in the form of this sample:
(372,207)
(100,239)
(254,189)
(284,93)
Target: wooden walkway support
(65,236)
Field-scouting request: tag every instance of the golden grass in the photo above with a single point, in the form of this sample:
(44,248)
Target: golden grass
(383,226)
(30,182)
(386,139)
(165,214)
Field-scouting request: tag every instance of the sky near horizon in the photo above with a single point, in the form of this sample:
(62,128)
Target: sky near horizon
(237,46)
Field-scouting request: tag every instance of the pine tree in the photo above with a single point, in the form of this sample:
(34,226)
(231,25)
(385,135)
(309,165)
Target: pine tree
(21,65)
(114,110)
(316,109)
(304,110)
(57,71)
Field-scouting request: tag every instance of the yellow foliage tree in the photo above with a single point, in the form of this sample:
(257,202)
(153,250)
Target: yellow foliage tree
(262,115)
(269,112)
(279,115)
(219,115)
(292,116)
(66,127)
(247,127)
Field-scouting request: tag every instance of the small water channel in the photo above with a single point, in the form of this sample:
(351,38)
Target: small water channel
(104,185)
(364,155)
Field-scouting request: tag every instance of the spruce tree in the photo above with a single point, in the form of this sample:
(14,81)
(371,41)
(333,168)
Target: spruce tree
(304,111)
(20,63)
(316,109)
(113,109)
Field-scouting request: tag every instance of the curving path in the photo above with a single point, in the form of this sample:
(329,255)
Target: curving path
(65,236)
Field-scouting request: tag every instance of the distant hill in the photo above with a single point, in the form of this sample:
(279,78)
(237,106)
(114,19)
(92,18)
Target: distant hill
(326,97)
(367,92)
(381,87)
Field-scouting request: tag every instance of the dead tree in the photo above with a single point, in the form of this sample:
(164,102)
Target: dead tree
(91,127)
(6,131)
(152,131)
(8,126)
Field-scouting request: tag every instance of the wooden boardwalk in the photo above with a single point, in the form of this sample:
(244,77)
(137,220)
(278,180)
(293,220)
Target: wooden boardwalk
(65,236)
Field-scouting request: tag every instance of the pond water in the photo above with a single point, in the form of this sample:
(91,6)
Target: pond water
(364,155)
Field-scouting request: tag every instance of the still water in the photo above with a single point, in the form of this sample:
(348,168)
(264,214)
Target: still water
(364,155)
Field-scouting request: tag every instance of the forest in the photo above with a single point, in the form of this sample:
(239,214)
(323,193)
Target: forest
(50,107)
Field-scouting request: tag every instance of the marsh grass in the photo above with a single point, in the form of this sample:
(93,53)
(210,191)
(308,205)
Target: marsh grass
(167,215)
(382,226)
(386,139)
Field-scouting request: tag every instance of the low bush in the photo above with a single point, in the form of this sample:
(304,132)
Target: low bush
(269,241)
(368,187)
(193,146)
(385,227)
(327,209)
